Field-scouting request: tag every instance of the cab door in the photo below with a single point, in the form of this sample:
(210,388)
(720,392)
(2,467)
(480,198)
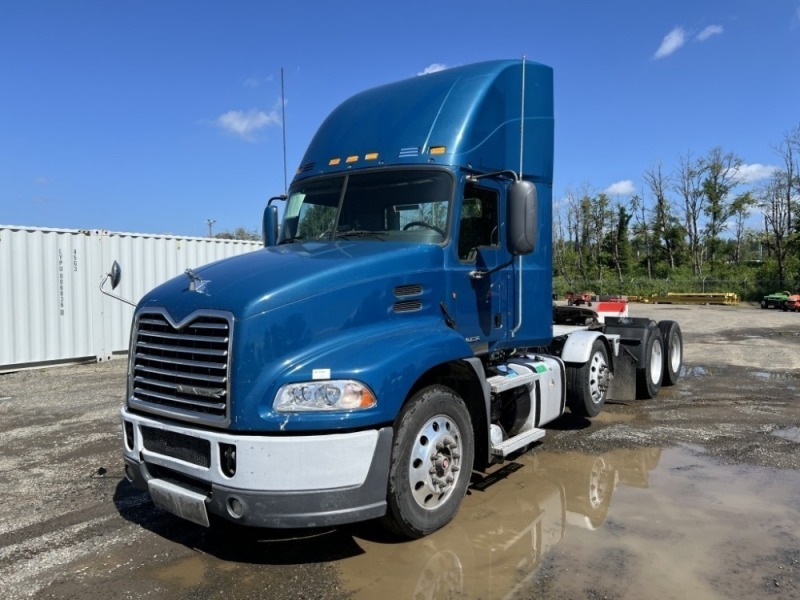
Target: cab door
(479,279)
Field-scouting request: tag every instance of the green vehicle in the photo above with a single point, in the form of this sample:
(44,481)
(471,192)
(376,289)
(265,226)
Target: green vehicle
(776,300)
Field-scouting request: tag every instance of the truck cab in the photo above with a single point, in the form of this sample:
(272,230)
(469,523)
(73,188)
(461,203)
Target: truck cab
(395,332)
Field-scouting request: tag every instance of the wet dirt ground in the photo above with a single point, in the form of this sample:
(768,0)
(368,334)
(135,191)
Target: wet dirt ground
(695,494)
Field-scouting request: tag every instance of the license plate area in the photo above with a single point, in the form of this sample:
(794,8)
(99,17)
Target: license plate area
(179,501)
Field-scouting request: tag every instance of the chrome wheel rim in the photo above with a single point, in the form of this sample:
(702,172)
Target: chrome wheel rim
(656,361)
(435,462)
(675,354)
(598,377)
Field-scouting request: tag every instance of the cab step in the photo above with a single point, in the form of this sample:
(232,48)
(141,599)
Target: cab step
(516,376)
(516,442)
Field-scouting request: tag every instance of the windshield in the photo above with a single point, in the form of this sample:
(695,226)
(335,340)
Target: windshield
(401,205)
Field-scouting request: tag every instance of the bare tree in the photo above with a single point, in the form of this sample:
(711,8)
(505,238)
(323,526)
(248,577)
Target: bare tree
(643,230)
(778,200)
(689,184)
(561,249)
(771,200)
(663,219)
(788,149)
(598,216)
(720,178)
(578,231)
(618,242)
(740,212)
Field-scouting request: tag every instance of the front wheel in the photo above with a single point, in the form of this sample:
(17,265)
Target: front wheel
(587,383)
(431,466)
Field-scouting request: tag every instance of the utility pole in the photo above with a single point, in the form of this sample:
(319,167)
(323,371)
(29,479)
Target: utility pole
(210,224)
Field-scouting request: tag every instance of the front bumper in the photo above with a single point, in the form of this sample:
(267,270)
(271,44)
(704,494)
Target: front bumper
(279,481)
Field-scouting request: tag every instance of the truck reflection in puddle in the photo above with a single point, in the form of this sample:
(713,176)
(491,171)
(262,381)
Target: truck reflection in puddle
(495,545)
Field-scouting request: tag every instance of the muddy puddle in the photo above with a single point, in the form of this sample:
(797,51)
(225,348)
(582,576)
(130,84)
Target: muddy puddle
(790,433)
(637,523)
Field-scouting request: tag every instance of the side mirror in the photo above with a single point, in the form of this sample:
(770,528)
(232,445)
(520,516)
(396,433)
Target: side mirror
(115,275)
(270,226)
(521,217)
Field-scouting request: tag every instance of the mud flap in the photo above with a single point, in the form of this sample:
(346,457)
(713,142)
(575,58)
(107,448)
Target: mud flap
(179,501)
(623,384)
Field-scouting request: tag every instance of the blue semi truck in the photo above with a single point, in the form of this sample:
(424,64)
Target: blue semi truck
(395,334)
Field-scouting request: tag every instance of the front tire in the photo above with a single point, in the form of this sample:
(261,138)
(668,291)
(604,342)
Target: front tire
(587,383)
(431,466)
(649,378)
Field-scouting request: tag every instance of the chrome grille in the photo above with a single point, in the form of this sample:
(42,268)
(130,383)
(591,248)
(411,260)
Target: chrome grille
(182,370)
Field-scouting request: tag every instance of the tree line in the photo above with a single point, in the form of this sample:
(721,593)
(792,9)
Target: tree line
(689,224)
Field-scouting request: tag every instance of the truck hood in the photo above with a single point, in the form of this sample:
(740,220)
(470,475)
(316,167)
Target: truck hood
(251,284)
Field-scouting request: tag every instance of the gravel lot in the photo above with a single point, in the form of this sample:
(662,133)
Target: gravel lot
(694,494)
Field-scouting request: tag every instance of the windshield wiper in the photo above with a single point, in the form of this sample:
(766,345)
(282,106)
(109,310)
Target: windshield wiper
(362,233)
(292,240)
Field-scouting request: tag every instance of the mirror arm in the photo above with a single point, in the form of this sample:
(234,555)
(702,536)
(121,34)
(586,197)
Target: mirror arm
(114,274)
(121,299)
(481,274)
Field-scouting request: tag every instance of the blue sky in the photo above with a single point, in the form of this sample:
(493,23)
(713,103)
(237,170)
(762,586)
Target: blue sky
(151,116)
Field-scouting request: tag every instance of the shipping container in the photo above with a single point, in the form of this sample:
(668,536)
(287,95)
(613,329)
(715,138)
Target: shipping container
(51,306)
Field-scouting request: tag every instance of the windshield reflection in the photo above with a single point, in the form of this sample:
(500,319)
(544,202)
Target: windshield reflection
(405,205)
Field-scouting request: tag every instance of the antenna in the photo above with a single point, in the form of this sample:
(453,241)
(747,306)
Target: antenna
(283,124)
(518,324)
(522,119)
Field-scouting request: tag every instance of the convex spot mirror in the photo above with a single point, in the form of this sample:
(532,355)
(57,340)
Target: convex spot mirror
(115,275)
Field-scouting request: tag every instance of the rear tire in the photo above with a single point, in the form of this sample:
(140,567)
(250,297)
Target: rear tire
(431,466)
(648,379)
(587,383)
(673,351)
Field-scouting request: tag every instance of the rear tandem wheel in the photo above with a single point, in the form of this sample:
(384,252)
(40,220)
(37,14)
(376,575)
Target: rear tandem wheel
(650,376)
(587,383)
(673,351)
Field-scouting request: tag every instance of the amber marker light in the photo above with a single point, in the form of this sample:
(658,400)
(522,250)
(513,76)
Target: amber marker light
(438,149)
(351,159)
(371,156)
(334,161)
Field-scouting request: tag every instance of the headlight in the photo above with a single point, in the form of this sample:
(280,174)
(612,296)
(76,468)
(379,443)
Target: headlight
(324,395)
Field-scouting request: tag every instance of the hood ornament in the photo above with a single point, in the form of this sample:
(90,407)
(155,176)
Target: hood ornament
(196,283)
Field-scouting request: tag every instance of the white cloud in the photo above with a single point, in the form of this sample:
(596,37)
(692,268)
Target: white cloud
(433,68)
(671,42)
(754,173)
(708,32)
(620,188)
(246,124)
